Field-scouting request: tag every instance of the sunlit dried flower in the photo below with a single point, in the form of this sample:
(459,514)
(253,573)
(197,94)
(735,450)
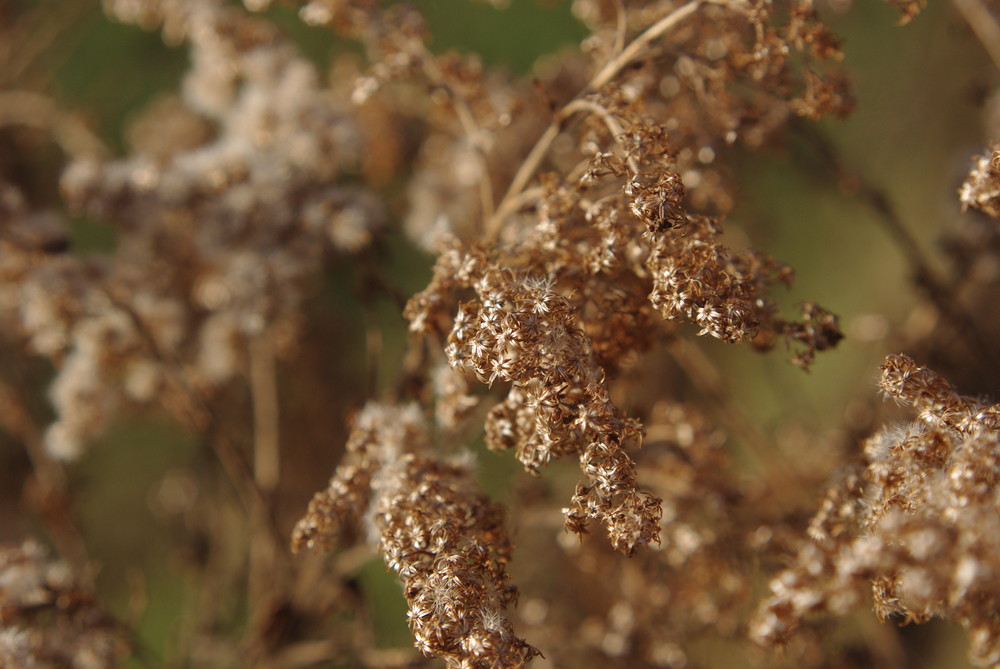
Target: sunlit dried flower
(922,534)
(445,539)
(48,620)
(582,224)
(981,189)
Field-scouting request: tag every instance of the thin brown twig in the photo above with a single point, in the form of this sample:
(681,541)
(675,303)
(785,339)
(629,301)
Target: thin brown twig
(200,416)
(473,132)
(264,553)
(933,285)
(538,152)
(621,26)
(38,111)
(35,39)
(636,46)
(614,127)
(266,413)
(984,24)
(51,495)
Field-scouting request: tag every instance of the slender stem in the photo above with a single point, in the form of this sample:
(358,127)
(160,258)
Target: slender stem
(264,554)
(38,111)
(524,175)
(510,205)
(50,494)
(195,410)
(538,152)
(469,125)
(984,24)
(620,28)
(38,43)
(934,286)
(614,127)
(609,71)
(264,391)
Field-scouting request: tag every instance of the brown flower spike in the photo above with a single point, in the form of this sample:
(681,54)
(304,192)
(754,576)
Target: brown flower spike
(445,540)
(923,534)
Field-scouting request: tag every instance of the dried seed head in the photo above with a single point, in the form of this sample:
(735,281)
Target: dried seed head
(445,539)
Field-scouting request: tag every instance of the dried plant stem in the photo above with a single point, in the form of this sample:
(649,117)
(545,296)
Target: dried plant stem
(264,557)
(926,277)
(621,26)
(374,349)
(534,159)
(198,415)
(708,381)
(51,496)
(522,199)
(40,112)
(934,286)
(47,30)
(375,285)
(984,24)
(524,174)
(635,47)
(614,127)
(469,125)
(264,391)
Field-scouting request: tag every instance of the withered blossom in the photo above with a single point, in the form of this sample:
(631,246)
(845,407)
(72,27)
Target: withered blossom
(444,538)
(48,620)
(920,533)
(585,234)
(981,189)
(212,247)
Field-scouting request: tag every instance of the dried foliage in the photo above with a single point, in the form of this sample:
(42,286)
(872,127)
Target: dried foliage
(582,229)
(216,235)
(982,189)
(921,533)
(908,9)
(443,537)
(50,620)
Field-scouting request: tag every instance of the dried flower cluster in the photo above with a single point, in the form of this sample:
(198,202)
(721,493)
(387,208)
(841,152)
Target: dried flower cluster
(217,229)
(445,539)
(48,620)
(920,530)
(982,189)
(566,296)
(649,609)
(583,234)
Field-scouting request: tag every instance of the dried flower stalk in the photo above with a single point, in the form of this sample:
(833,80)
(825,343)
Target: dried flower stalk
(48,620)
(922,533)
(579,226)
(445,540)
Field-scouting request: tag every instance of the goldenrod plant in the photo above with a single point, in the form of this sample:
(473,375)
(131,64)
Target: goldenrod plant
(343,332)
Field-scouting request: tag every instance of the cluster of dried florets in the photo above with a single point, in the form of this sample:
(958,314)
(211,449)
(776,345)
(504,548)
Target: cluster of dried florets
(908,9)
(923,532)
(981,189)
(48,620)
(218,226)
(586,255)
(445,540)
(696,277)
(50,298)
(521,331)
(652,609)
(611,169)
